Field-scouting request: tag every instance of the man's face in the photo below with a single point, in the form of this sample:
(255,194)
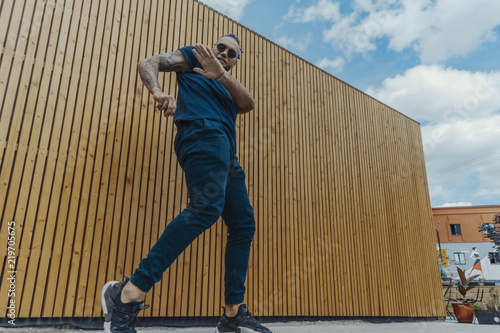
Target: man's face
(223,56)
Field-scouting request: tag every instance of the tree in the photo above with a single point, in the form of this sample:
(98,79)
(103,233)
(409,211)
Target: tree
(492,231)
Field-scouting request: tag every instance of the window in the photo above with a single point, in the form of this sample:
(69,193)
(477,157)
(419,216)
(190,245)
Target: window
(494,258)
(455,230)
(459,258)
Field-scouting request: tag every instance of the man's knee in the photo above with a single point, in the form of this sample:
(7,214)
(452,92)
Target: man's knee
(243,228)
(250,229)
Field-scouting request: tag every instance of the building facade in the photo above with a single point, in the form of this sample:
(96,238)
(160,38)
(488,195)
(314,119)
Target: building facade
(458,237)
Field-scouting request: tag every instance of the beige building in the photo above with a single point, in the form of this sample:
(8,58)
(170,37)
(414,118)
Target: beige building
(457,233)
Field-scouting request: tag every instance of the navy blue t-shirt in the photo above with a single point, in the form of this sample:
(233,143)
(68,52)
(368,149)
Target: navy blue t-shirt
(202,98)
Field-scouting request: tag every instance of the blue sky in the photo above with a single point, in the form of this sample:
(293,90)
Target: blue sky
(436,61)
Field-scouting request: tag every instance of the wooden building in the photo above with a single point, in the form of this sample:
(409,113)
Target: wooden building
(89,178)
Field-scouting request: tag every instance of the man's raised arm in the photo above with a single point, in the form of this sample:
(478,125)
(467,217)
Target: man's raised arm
(214,70)
(148,71)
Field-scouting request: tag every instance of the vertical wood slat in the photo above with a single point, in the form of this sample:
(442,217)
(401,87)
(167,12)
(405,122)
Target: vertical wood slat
(88,173)
(15,165)
(50,138)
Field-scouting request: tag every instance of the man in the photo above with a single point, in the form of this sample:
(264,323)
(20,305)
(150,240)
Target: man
(209,101)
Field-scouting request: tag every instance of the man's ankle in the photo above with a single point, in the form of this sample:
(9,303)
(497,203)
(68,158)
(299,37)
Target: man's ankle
(232,309)
(130,293)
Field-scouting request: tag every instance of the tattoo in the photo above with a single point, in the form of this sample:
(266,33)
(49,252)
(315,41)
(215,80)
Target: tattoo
(166,62)
(149,74)
(170,62)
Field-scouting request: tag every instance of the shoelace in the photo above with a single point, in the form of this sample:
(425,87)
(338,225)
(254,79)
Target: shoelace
(250,316)
(130,317)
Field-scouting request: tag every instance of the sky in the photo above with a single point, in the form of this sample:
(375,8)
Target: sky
(436,61)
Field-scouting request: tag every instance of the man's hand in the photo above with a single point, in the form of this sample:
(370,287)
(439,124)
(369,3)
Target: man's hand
(212,68)
(166,103)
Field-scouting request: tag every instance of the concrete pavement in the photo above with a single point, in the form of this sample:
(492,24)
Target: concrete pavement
(304,327)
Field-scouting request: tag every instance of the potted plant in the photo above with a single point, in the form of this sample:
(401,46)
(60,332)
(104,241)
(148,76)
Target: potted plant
(463,309)
(488,312)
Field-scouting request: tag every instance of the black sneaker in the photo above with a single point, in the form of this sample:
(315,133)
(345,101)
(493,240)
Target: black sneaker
(119,317)
(243,322)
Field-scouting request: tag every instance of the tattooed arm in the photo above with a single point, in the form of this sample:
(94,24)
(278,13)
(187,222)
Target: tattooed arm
(148,70)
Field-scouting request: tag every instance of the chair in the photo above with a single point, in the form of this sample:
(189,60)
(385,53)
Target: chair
(448,285)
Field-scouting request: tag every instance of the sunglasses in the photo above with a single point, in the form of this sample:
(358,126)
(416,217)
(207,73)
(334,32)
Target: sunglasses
(230,53)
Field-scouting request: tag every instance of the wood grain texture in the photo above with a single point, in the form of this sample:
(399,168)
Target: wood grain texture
(88,173)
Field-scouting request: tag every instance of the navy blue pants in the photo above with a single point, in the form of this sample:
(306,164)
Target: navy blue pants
(216,187)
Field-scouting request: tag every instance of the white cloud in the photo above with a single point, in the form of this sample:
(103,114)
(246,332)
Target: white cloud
(325,10)
(232,8)
(439,192)
(460,111)
(463,154)
(456,204)
(296,44)
(465,143)
(462,147)
(441,95)
(437,29)
(457,30)
(489,179)
(351,34)
(336,64)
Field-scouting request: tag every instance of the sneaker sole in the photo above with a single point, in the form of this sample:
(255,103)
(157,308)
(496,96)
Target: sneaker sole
(245,330)
(239,330)
(107,302)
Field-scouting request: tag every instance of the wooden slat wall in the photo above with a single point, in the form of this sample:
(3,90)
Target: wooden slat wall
(88,173)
